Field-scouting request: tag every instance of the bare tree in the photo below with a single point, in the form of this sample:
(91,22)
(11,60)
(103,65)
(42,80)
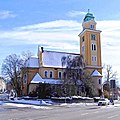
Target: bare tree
(73,71)
(11,70)
(88,86)
(26,55)
(109,74)
(77,77)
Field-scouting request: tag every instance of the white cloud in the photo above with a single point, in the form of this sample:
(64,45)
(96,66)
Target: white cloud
(63,35)
(60,33)
(74,13)
(6,14)
(54,25)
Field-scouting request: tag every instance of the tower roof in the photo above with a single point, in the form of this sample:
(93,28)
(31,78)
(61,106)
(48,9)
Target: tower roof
(96,74)
(88,16)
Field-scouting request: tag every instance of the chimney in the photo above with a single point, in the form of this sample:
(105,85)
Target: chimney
(42,49)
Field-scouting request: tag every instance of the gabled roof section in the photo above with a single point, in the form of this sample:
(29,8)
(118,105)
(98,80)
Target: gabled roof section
(53,58)
(96,74)
(32,62)
(38,79)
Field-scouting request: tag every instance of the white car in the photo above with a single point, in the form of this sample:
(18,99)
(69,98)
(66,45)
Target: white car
(103,101)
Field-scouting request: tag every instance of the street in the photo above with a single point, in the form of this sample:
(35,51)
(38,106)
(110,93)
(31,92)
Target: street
(88,112)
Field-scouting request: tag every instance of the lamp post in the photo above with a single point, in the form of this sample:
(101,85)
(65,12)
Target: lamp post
(112,86)
(65,94)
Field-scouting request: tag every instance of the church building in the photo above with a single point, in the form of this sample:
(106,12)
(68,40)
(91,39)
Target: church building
(46,68)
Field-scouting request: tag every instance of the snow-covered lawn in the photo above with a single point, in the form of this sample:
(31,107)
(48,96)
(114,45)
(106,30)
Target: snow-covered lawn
(32,102)
(43,105)
(46,104)
(37,104)
(27,106)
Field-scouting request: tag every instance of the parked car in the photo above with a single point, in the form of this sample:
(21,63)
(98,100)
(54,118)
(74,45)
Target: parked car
(103,101)
(112,101)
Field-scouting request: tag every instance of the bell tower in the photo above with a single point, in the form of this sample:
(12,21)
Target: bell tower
(90,48)
(90,43)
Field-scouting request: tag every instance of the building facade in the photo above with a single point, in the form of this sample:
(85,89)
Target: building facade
(90,48)
(2,85)
(47,67)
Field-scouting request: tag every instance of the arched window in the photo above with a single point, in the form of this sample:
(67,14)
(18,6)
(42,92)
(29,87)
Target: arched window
(83,39)
(95,58)
(94,47)
(99,81)
(92,58)
(51,74)
(60,74)
(46,74)
(25,78)
(93,37)
(91,26)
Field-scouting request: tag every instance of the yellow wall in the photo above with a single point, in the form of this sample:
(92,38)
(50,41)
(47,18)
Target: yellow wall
(30,74)
(55,72)
(88,53)
(87,24)
(88,50)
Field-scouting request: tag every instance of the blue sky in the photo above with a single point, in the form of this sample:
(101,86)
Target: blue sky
(54,24)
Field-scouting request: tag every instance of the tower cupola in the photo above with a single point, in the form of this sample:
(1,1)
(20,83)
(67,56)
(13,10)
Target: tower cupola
(89,22)
(88,17)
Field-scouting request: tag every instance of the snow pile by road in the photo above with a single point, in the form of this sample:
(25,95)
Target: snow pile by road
(31,102)
(45,104)
(27,106)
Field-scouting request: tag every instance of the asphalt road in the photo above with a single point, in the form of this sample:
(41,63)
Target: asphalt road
(61,113)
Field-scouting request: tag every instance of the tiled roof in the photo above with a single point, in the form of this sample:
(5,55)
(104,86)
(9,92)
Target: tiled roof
(32,62)
(53,59)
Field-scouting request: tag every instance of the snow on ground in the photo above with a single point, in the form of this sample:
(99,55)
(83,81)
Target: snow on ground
(111,106)
(45,104)
(36,104)
(1,102)
(32,102)
(27,106)
(78,104)
(41,104)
